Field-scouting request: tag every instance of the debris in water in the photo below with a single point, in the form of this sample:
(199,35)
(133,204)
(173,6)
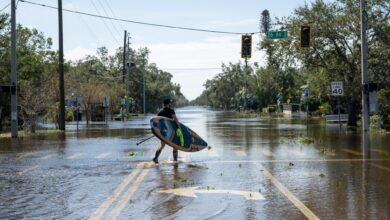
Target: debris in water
(306,140)
(131,154)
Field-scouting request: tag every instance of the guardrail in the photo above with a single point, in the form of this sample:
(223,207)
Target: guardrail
(336,118)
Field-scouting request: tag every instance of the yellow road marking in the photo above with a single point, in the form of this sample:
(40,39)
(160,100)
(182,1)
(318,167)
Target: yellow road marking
(126,198)
(380,167)
(103,155)
(306,211)
(24,155)
(27,170)
(288,161)
(47,156)
(114,195)
(353,152)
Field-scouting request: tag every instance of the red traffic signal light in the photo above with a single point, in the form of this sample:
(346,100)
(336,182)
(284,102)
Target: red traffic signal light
(305,36)
(246,46)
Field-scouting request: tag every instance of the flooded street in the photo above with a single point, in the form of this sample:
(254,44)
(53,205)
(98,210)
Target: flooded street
(255,168)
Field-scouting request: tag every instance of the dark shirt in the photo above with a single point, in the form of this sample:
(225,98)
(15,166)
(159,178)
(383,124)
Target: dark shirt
(166,112)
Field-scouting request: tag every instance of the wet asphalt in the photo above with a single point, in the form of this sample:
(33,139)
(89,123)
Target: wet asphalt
(255,168)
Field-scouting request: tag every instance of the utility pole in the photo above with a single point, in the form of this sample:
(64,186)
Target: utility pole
(365,89)
(143,81)
(124,57)
(14,83)
(61,67)
(128,64)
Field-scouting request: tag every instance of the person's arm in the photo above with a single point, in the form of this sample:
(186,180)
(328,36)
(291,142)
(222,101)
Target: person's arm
(176,120)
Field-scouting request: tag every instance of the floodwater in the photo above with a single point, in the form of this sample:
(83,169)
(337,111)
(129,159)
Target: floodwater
(255,168)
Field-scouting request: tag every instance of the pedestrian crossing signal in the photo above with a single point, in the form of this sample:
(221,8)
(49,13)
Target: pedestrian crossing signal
(305,36)
(246,46)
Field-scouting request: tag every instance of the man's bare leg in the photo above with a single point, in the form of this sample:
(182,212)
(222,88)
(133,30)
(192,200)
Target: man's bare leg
(158,152)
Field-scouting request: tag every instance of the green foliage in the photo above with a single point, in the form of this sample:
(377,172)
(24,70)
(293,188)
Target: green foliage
(376,122)
(69,115)
(324,109)
(265,22)
(384,105)
(92,78)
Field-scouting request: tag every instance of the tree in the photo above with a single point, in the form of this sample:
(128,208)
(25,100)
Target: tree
(265,22)
(335,51)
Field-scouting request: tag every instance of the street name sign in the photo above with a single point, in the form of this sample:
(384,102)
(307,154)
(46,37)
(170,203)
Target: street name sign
(277,34)
(337,88)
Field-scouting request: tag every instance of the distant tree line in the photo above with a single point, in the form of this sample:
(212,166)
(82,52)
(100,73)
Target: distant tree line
(92,78)
(334,56)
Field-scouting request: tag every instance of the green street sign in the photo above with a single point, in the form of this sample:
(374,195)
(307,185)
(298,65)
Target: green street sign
(277,34)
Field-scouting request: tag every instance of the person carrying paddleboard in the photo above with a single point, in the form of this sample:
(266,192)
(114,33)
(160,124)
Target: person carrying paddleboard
(168,112)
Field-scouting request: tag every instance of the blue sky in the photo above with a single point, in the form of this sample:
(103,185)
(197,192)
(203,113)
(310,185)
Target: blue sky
(177,51)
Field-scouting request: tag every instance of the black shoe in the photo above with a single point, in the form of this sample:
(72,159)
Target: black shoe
(155,160)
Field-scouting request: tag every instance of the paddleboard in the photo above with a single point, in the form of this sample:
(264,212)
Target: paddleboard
(165,130)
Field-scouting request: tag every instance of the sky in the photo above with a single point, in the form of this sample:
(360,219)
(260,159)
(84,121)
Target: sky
(191,57)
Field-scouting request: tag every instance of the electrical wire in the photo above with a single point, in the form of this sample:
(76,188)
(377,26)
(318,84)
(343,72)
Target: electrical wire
(140,22)
(5,7)
(105,24)
(112,23)
(113,15)
(90,30)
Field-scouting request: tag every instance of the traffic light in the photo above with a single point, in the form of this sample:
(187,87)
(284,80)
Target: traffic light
(246,46)
(305,36)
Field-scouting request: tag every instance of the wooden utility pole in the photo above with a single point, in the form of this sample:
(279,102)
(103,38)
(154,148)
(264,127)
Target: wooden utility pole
(61,67)
(14,75)
(365,89)
(124,57)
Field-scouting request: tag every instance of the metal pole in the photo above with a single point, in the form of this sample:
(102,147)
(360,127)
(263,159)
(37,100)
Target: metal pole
(307,112)
(77,112)
(124,57)
(365,97)
(144,92)
(61,67)
(338,110)
(128,65)
(14,83)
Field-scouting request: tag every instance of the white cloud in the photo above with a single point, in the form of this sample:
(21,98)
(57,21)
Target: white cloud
(189,62)
(78,53)
(234,23)
(209,53)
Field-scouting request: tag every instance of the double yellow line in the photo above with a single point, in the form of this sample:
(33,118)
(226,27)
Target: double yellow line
(115,195)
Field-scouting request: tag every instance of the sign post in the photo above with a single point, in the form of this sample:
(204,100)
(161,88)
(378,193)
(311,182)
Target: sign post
(337,89)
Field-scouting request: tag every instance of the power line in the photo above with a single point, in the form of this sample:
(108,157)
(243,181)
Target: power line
(141,22)
(5,7)
(105,24)
(112,23)
(90,30)
(113,15)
